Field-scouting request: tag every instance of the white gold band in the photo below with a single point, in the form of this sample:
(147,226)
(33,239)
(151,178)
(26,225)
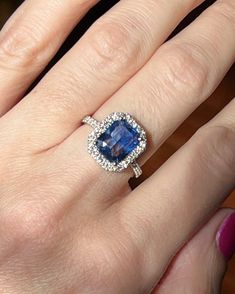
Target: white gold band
(89,120)
(136,169)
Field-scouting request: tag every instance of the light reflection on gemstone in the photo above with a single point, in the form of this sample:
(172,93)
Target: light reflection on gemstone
(119,140)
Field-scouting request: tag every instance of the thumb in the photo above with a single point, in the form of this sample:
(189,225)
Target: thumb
(200,265)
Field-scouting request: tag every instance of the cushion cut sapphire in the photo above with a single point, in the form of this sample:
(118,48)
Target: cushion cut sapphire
(119,140)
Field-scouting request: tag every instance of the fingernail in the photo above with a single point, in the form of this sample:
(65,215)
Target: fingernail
(226,237)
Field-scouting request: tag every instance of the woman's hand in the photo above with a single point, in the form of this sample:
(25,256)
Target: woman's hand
(68,226)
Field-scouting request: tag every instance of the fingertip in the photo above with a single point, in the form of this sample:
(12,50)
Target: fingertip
(225,237)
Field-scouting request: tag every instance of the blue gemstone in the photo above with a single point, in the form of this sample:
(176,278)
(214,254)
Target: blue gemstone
(119,140)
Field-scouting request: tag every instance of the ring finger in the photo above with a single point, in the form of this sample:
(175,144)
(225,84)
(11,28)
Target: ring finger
(180,76)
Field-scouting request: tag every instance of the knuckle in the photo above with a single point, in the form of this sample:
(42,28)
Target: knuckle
(225,10)
(27,223)
(21,48)
(215,145)
(111,46)
(64,98)
(185,69)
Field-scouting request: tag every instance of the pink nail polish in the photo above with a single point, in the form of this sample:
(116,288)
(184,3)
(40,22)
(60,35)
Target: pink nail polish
(226,237)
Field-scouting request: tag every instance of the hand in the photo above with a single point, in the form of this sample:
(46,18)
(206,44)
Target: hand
(67,225)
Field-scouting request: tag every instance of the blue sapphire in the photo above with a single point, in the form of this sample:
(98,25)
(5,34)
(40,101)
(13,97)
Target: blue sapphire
(119,140)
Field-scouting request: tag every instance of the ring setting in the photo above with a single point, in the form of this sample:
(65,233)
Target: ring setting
(116,142)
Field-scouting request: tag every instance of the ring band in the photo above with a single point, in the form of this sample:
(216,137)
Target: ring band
(116,142)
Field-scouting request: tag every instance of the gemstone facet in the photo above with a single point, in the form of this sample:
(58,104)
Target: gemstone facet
(118,141)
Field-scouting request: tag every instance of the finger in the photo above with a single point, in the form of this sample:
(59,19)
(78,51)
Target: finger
(200,266)
(106,57)
(30,39)
(180,76)
(165,210)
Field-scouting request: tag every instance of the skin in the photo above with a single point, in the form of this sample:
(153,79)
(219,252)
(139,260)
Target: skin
(68,226)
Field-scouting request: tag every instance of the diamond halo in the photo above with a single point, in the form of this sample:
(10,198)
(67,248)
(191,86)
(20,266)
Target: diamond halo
(100,128)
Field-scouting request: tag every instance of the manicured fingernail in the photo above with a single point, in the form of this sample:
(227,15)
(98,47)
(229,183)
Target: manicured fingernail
(226,237)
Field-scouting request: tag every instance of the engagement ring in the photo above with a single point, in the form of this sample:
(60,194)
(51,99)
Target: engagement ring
(116,142)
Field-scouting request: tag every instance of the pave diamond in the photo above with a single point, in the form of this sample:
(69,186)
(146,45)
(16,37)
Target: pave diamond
(118,141)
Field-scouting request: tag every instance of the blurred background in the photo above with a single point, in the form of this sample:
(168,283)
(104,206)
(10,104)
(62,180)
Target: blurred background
(223,94)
